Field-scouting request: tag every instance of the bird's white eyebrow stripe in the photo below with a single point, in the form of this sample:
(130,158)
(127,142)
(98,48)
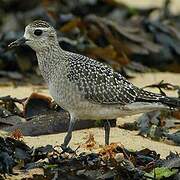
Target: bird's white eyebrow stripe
(41,28)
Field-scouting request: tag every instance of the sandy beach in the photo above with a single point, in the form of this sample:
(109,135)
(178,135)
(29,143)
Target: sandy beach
(129,139)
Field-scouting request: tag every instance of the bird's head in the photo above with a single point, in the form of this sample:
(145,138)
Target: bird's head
(38,35)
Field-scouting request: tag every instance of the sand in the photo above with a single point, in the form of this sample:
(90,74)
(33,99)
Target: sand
(175,4)
(129,139)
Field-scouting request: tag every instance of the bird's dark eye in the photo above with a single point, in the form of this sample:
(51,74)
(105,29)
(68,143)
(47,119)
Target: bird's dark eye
(38,32)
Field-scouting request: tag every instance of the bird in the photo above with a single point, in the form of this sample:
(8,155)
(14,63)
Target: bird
(85,87)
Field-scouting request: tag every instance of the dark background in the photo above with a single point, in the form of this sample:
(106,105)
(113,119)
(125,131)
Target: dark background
(127,38)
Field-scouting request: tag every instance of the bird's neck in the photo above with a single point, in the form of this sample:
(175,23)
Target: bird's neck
(51,60)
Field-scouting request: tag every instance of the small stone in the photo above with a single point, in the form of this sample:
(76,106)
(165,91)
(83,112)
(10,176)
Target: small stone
(119,157)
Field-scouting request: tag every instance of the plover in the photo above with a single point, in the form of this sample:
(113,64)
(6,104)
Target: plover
(84,87)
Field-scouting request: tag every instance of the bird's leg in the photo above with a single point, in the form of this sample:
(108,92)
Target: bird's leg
(68,136)
(107,131)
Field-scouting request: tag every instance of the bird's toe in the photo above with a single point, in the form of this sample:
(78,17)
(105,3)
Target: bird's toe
(67,149)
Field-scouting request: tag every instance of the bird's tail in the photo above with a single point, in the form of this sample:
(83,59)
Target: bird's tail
(145,96)
(171,102)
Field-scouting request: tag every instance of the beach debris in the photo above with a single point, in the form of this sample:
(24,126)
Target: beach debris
(112,161)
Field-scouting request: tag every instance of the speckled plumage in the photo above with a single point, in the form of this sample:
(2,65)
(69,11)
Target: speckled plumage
(98,82)
(85,87)
(89,89)
(39,23)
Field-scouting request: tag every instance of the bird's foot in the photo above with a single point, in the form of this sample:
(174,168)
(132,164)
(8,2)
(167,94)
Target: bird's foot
(66,149)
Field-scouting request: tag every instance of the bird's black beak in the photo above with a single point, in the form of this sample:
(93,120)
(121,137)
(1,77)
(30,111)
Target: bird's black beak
(18,42)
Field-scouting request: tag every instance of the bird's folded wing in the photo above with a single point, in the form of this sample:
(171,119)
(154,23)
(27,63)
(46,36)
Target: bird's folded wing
(98,82)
